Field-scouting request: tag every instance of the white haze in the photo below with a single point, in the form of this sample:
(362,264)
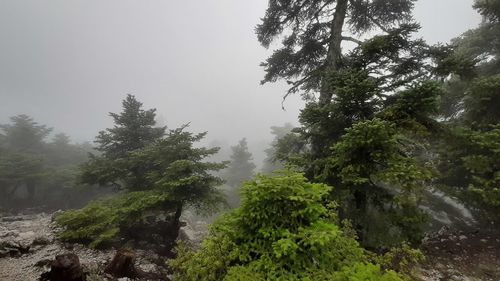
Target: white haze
(69,63)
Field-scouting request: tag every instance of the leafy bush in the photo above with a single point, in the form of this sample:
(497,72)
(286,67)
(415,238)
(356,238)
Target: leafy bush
(402,259)
(282,231)
(101,222)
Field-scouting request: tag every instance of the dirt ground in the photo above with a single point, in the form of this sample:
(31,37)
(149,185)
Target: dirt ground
(457,255)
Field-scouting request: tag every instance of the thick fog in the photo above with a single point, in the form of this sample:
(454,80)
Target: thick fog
(69,63)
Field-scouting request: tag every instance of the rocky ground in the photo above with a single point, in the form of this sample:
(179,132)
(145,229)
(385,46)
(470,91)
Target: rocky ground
(462,255)
(28,245)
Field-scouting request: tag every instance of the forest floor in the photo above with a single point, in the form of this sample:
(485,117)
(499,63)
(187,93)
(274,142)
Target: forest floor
(28,246)
(450,254)
(457,255)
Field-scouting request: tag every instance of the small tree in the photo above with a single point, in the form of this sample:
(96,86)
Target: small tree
(271,162)
(22,163)
(20,170)
(240,167)
(180,178)
(162,173)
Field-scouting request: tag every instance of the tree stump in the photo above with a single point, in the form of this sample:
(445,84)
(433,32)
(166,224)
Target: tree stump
(65,267)
(122,265)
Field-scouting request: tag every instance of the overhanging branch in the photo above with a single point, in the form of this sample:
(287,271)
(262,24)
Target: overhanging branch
(352,39)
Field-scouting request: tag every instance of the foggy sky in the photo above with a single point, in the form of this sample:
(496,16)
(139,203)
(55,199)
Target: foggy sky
(69,63)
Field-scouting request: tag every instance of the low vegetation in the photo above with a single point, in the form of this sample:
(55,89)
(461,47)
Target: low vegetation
(282,231)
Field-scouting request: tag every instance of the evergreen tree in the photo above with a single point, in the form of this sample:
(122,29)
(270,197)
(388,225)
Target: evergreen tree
(22,164)
(61,152)
(375,91)
(162,174)
(20,170)
(134,130)
(271,162)
(24,134)
(469,154)
(240,167)
(180,178)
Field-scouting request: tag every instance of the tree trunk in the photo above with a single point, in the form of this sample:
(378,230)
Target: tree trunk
(173,232)
(178,213)
(333,63)
(65,267)
(122,265)
(334,55)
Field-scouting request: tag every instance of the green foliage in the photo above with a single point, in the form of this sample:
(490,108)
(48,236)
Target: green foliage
(489,9)
(177,168)
(24,134)
(33,171)
(134,130)
(282,231)
(178,175)
(484,166)
(469,151)
(414,109)
(449,61)
(272,162)
(308,47)
(20,168)
(482,102)
(240,167)
(402,258)
(100,222)
(382,183)
(377,106)
(378,142)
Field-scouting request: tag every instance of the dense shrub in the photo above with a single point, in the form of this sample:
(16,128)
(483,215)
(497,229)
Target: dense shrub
(282,231)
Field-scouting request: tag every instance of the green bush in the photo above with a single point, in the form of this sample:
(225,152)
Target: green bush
(100,222)
(282,231)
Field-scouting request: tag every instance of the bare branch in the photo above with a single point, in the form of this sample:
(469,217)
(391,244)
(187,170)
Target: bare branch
(352,39)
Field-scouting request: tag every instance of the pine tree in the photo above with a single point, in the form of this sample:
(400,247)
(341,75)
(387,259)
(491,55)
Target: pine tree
(24,134)
(469,155)
(381,82)
(271,162)
(162,173)
(314,33)
(134,130)
(22,164)
(240,167)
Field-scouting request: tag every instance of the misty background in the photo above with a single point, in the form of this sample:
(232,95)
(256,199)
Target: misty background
(68,63)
